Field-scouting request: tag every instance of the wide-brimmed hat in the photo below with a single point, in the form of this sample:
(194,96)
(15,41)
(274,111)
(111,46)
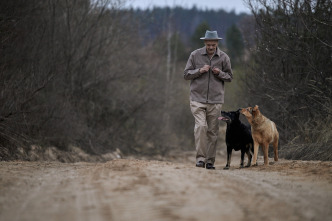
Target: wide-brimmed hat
(211,35)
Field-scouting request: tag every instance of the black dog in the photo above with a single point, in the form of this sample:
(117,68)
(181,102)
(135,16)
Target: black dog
(238,137)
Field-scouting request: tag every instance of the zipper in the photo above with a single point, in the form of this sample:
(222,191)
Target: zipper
(207,95)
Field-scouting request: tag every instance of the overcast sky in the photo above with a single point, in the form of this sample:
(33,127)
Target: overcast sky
(228,5)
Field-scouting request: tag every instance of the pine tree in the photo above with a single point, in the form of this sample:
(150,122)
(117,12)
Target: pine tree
(234,43)
(196,42)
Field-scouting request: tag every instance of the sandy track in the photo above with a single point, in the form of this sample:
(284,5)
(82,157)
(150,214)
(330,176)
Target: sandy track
(128,189)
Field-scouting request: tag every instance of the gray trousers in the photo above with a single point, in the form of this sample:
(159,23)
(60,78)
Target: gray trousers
(206,130)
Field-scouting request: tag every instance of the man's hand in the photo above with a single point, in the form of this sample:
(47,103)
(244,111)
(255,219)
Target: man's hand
(204,69)
(216,71)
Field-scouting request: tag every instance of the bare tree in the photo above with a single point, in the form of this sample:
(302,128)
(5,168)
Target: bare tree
(59,55)
(292,68)
(74,73)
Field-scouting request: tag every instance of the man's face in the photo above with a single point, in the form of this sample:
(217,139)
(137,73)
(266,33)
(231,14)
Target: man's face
(211,46)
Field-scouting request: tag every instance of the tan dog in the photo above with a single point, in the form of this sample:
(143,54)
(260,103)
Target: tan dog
(263,131)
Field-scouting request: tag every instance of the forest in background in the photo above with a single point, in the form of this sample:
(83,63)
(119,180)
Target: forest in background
(102,77)
(153,22)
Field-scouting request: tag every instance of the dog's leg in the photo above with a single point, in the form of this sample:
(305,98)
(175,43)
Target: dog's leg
(229,158)
(249,156)
(242,157)
(275,146)
(266,152)
(256,145)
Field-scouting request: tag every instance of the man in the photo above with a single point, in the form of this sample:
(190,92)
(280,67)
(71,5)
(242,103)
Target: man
(207,68)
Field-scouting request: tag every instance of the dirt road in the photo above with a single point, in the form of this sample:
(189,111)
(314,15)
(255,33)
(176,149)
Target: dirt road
(129,189)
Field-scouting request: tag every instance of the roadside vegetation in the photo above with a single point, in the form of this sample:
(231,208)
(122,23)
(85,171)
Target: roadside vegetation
(290,73)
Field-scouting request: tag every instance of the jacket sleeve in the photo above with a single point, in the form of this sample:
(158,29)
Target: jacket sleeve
(190,71)
(226,73)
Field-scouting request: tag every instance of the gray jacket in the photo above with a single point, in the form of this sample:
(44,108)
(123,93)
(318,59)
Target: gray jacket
(208,87)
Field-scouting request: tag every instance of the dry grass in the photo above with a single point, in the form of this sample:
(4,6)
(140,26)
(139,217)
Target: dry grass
(305,151)
(317,147)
